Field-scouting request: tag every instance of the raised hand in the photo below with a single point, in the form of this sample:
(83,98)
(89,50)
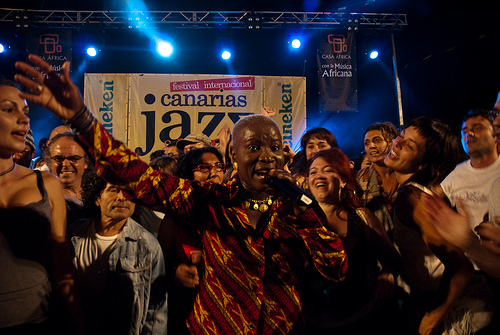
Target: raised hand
(54,91)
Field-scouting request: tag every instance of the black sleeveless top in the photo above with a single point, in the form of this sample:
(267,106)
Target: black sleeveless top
(24,261)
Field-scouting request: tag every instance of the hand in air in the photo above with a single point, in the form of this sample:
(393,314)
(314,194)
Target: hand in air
(52,90)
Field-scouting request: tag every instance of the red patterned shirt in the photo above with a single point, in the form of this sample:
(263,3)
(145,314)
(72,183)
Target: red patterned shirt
(251,276)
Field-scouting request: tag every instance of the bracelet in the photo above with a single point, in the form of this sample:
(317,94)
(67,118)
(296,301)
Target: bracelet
(82,122)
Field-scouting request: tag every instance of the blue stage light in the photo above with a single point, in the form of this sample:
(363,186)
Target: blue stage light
(374,54)
(91,51)
(165,49)
(296,43)
(2,48)
(225,55)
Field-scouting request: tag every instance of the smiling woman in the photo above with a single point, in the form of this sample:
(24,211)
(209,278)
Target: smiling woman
(364,302)
(33,251)
(446,294)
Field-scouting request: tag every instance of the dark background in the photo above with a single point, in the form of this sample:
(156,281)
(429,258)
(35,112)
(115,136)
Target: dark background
(448,57)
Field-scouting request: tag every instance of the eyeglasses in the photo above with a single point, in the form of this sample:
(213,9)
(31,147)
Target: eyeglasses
(205,167)
(72,159)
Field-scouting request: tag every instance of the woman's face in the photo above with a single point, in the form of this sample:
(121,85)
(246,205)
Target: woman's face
(324,181)
(406,152)
(376,147)
(210,170)
(14,121)
(314,145)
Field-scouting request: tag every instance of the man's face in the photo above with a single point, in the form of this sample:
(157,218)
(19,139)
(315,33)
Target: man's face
(172,151)
(114,206)
(478,137)
(314,145)
(68,162)
(258,148)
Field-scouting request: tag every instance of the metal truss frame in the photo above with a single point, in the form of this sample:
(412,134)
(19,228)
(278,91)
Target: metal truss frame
(27,18)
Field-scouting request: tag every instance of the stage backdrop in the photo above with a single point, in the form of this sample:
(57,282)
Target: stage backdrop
(145,110)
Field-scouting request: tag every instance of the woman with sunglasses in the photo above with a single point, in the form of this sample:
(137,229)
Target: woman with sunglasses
(182,246)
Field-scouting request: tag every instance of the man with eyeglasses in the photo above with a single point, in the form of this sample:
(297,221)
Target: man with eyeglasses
(67,160)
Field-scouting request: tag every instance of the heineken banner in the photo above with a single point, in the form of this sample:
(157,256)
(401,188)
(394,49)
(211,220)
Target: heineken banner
(145,110)
(338,89)
(53,45)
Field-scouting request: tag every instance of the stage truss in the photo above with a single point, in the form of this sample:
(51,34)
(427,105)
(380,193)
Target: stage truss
(26,19)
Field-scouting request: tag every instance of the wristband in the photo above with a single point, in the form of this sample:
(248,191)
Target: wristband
(82,122)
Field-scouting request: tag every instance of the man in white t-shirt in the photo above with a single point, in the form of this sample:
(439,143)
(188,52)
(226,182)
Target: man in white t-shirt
(471,180)
(120,266)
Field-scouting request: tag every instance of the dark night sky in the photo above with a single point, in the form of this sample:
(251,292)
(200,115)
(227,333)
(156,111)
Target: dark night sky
(448,57)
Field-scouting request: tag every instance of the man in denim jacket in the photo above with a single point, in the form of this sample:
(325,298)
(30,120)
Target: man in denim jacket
(120,267)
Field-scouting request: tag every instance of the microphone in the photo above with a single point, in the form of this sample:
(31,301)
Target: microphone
(290,190)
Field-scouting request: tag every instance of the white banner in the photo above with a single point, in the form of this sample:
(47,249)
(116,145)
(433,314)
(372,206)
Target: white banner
(145,110)
(106,95)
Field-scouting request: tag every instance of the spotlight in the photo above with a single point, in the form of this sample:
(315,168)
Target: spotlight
(91,51)
(225,55)
(296,43)
(2,48)
(165,49)
(373,54)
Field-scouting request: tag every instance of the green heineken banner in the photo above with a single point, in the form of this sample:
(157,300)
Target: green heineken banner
(338,89)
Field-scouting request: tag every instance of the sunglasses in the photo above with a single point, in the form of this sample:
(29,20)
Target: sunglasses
(205,167)
(60,159)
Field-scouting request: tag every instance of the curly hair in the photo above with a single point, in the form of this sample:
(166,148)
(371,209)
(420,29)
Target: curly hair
(389,132)
(92,187)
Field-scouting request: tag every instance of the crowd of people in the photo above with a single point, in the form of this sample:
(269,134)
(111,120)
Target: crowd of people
(97,241)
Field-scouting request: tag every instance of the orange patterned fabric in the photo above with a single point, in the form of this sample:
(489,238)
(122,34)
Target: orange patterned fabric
(250,278)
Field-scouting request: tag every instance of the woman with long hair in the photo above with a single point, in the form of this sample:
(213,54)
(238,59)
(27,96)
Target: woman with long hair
(360,304)
(34,257)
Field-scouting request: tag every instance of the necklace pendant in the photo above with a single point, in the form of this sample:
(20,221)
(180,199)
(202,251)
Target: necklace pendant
(255,206)
(263,208)
(246,204)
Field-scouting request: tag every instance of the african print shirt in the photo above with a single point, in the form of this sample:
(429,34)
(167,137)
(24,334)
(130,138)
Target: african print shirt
(250,279)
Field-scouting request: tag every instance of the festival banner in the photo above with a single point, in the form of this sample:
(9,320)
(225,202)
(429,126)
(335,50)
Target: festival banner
(108,96)
(161,107)
(336,59)
(52,45)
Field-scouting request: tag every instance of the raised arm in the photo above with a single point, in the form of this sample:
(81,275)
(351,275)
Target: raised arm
(54,91)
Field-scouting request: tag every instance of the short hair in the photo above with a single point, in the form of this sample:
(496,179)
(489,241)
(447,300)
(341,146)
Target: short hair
(247,120)
(165,164)
(389,132)
(442,150)
(156,154)
(320,133)
(47,156)
(484,113)
(192,159)
(67,134)
(92,187)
